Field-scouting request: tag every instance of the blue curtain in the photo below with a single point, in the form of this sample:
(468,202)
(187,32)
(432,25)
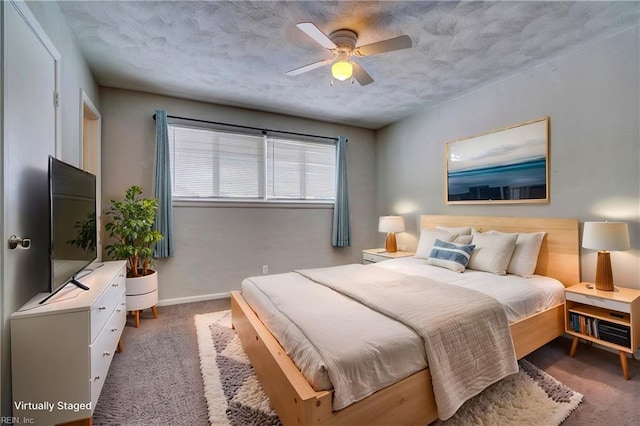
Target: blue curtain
(162,188)
(341,224)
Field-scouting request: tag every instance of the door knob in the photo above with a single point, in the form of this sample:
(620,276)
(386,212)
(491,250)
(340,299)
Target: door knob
(14,242)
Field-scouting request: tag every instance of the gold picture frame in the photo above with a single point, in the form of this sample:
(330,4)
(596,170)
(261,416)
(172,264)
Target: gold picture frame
(510,165)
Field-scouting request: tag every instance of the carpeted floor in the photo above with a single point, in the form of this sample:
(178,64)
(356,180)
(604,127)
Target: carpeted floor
(157,380)
(609,399)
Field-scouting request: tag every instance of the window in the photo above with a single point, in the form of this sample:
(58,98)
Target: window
(213,165)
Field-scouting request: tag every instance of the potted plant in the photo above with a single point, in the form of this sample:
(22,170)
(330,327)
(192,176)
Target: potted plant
(131,227)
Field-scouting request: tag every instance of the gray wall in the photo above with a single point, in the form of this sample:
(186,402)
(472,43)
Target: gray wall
(216,247)
(592,98)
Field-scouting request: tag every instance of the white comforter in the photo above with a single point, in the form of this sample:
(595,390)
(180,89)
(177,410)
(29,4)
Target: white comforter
(288,304)
(394,351)
(466,334)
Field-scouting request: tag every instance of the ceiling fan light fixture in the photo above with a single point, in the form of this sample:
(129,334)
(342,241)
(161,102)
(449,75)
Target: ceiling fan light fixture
(342,70)
(342,46)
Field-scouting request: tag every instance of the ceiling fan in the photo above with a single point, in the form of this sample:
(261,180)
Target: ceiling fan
(342,45)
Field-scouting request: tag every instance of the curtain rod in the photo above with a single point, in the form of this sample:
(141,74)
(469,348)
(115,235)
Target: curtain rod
(264,131)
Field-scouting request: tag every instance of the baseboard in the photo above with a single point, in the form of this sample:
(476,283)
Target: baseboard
(190,299)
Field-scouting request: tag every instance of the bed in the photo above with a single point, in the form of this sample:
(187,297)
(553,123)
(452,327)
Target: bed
(410,400)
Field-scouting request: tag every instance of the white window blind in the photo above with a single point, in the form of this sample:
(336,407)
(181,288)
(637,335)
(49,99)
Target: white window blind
(213,165)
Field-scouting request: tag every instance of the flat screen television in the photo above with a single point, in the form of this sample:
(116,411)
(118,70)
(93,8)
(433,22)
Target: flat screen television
(72,213)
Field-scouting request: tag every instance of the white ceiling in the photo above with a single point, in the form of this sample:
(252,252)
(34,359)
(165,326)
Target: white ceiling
(237,52)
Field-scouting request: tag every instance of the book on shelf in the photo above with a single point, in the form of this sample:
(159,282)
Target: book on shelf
(600,329)
(584,325)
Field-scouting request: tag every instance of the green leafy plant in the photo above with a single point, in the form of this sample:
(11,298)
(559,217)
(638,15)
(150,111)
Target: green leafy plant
(132,229)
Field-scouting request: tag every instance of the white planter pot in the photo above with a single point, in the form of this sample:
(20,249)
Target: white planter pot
(142,292)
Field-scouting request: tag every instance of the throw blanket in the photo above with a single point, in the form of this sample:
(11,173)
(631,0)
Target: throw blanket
(466,333)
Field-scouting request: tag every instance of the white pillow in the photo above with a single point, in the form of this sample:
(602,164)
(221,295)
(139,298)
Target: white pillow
(463,239)
(428,238)
(525,254)
(460,230)
(492,252)
(450,255)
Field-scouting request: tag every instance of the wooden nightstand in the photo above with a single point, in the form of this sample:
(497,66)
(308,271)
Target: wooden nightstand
(609,318)
(379,255)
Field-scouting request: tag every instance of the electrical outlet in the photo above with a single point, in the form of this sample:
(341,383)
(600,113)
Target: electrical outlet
(265,269)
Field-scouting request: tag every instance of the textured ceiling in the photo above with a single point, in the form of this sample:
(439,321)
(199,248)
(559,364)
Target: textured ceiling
(237,53)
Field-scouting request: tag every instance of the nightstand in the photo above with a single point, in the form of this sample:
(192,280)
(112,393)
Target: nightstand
(379,255)
(609,318)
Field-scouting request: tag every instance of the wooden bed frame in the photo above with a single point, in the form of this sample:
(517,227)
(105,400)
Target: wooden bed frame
(411,400)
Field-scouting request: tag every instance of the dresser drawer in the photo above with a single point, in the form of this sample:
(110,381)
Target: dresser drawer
(97,382)
(104,347)
(105,305)
(614,305)
(372,258)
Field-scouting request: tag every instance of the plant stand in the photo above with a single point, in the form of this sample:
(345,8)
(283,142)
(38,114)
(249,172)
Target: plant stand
(136,315)
(142,293)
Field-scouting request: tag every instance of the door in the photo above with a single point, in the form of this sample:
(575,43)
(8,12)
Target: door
(30,129)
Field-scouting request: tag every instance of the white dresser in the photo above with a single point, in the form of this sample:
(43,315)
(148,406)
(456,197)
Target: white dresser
(61,350)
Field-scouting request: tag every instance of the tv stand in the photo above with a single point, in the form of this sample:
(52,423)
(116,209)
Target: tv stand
(62,351)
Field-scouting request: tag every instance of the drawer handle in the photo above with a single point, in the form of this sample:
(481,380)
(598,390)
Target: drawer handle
(596,298)
(102,308)
(113,330)
(96,378)
(115,285)
(118,310)
(107,354)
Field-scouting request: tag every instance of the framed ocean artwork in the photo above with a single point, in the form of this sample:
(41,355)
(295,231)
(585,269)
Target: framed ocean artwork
(505,166)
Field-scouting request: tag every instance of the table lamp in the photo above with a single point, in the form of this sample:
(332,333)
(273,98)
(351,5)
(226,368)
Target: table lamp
(391,225)
(605,236)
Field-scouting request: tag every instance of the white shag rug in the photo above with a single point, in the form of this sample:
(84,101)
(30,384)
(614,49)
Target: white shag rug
(234,395)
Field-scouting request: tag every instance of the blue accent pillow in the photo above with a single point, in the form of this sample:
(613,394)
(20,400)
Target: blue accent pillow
(450,255)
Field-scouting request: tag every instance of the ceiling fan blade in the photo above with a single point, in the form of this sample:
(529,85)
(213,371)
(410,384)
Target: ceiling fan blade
(314,32)
(298,71)
(361,75)
(397,43)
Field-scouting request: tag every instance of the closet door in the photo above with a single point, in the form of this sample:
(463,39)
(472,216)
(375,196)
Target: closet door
(29,137)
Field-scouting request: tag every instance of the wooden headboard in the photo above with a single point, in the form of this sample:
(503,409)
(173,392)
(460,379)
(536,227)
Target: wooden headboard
(559,256)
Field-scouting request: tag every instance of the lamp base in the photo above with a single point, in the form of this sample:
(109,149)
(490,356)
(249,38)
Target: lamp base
(390,244)
(604,275)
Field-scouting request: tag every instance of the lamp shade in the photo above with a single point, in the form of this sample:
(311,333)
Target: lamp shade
(606,236)
(391,224)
